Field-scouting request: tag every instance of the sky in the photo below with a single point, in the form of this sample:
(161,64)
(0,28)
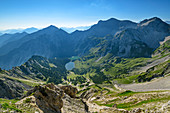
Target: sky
(72,13)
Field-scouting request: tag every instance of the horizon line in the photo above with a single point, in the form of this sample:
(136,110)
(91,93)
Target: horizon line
(87,25)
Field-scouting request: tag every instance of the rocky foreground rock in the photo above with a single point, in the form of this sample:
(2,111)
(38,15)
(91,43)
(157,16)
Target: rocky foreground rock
(52,99)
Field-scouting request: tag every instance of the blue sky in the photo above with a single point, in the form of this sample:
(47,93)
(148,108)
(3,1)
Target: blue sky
(72,13)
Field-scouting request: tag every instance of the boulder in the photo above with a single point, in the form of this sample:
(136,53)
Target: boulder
(71,91)
(51,98)
(48,98)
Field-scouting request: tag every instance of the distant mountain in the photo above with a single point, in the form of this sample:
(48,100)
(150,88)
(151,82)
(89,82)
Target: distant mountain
(152,31)
(72,29)
(6,38)
(12,31)
(30,30)
(101,29)
(49,42)
(33,29)
(168,22)
(124,38)
(121,38)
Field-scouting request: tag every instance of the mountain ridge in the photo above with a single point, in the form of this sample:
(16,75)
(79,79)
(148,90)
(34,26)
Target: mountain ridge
(13,31)
(126,39)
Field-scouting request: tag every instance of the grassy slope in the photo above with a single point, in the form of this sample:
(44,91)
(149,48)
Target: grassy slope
(107,66)
(105,69)
(9,104)
(28,81)
(120,70)
(126,99)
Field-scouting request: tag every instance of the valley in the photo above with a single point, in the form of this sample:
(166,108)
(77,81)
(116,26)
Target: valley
(116,66)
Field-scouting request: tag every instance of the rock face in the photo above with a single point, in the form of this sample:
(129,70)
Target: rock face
(73,105)
(111,26)
(48,98)
(153,31)
(52,99)
(139,41)
(88,94)
(164,47)
(71,91)
(11,88)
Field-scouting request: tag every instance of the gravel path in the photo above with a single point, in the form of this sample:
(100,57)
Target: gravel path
(162,83)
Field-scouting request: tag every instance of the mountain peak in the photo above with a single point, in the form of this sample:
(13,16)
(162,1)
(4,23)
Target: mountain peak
(156,19)
(52,27)
(52,30)
(108,21)
(112,19)
(149,21)
(24,32)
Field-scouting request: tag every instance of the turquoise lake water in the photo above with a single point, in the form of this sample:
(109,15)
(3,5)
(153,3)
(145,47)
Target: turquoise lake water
(70,65)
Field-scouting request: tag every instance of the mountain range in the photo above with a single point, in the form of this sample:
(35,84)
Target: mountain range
(122,38)
(118,66)
(33,29)
(168,22)
(13,31)
(72,29)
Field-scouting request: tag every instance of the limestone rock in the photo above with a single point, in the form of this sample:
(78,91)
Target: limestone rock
(52,99)
(48,98)
(87,94)
(71,91)
(73,105)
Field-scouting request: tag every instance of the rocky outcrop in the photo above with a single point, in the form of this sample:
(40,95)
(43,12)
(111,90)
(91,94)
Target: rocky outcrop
(10,88)
(88,94)
(53,99)
(71,91)
(48,98)
(73,105)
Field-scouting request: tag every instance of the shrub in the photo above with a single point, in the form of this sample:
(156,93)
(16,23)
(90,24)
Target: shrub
(27,100)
